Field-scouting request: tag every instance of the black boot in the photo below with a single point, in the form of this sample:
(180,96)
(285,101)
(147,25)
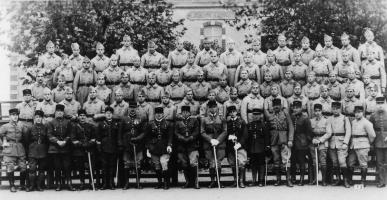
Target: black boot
(50,179)
(212,177)
(40,181)
(11,179)
(105,181)
(32,180)
(382,177)
(302,176)
(311,175)
(220,175)
(346,174)
(81,179)
(324,176)
(289,182)
(69,181)
(166,179)
(350,175)
(254,176)
(98,177)
(194,176)
(336,172)
(159,179)
(278,174)
(186,177)
(23,176)
(234,184)
(261,176)
(363,176)
(58,180)
(242,177)
(126,173)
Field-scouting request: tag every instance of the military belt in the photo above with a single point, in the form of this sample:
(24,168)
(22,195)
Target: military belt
(241,96)
(359,136)
(163,84)
(212,79)
(368,113)
(152,66)
(200,98)
(338,134)
(138,82)
(177,98)
(336,98)
(375,77)
(322,75)
(190,79)
(89,115)
(177,66)
(112,82)
(327,113)
(126,64)
(313,98)
(350,115)
(232,66)
(85,84)
(49,115)
(25,120)
(67,82)
(154,100)
(284,63)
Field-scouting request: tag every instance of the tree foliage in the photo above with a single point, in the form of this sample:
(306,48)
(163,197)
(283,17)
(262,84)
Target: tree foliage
(90,21)
(313,18)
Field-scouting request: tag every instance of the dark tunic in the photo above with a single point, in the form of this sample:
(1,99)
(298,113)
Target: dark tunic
(36,141)
(186,133)
(214,128)
(84,133)
(132,132)
(159,136)
(59,129)
(107,135)
(303,133)
(257,136)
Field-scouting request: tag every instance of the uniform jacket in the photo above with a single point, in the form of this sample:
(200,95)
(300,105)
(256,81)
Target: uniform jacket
(36,141)
(132,132)
(12,133)
(107,135)
(213,127)
(340,130)
(186,134)
(84,133)
(303,133)
(379,121)
(257,136)
(235,127)
(159,136)
(363,134)
(59,130)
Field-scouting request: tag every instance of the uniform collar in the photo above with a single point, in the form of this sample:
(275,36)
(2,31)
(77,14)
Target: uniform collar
(89,70)
(121,104)
(326,100)
(233,52)
(179,84)
(252,96)
(60,88)
(79,57)
(50,55)
(182,52)
(154,86)
(103,57)
(72,102)
(50,102)
(93,101)
(284,48)
(116,68)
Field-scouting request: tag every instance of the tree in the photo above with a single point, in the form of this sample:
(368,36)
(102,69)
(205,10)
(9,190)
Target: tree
(313,18)
(90,21)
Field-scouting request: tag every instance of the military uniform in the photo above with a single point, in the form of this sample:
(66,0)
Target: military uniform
(163,77)
(153,94)
(336,91)
(145,111)
(204,109)
(213,72)
(369,106)
(99,63)
(250,102)
(265,88)
(48,107)
(342,68)
(375,70)
(49,62)
(275,70)
(113,76)
(268,104)
(58,94)
(26,112)
(189,74)
(151,61)
(259,58)
(201,90)
(353,54)
(71,107)
(194,107)
(76,62)
(253,71)
(299,71)
(232,60)
(67,72)
(284,56)
(307,55)
(104,93)
(348,105)
(322,67)
(37,90)
(222,94)
(371,46)
(177,59)
(82,82)
(177,91)
(326,104)
(311,90)
(203,57)
(126,57)
(137,77)
(331,53)
(121,108)
(243,87)
(287,88)
(93,107)
(128,91)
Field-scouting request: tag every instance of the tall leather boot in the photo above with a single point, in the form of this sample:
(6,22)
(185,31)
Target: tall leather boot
(81,179)
(220,175)
(312,175)
(194,175)
(50,179)
(11,179)
(106,177)
(212,177)
(159,179)
(363,176)
(58,180)
(23,176)
(302,176)
(40,181)
(235,177)
(346,174)
(242,177)
(324,176)
(166,179)
(186,172)
(350,175)
(382,177)
(126,174)
(32,178)
(254,176)
(261,176)
(69,181)
(289,182)
(336,172)
(278,174)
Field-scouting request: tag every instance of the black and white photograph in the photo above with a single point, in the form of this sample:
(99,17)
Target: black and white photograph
(193,99)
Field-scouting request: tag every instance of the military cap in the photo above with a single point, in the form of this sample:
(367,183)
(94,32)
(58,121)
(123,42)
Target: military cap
(74,45)
(257,111)
(317,106)
(297,52)
(257,40)
(281,36)
(367,31)
(304,39)
(99,45)
(69,90)
(109,109)
(50,43)
(46,91)
(142,93)
(151,43)
(27,92)
(59,107)
(126,37)
(113,57)
(212,104)
(344,36)
(359,108)
(327,37)
(119,91)
(185,108)
(319,47)
(380,100)
(297,104)
(13,111)
(270,52)
(159,110)
(276,102)
(82,112)
(229,40)
(200,72)
(39,112)
(336,104)
(92,89)
(86,59)
(231,109)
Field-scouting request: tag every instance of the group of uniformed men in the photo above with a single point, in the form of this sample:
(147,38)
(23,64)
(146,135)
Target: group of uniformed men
(109,113)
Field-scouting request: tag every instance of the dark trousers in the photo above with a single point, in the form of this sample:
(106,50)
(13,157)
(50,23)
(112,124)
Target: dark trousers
(381,160)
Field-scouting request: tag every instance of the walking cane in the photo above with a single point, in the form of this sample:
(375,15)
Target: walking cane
(197,169)
(236,165)
(316,153)
(91,171)
(265,171)
(135,165)
(118,160)
(216,166)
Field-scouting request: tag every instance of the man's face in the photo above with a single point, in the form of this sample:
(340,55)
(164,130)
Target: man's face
(324,93)
(159,116)
(165,100)
(231,46)
(206,45)
(124,79)
(297,57)
(200,77)
(371,56)
(328,42)
(336,110)
(332,78)
(247,58)
(164,65)
(369,37)
(244,75)
(100,80)
(268,77)
(100,51)
(317,112)
(270,58)
(281,42)
(82,118)
(311,78)
(373,92)
(93,94)
(176,77)
(76,51)
(114,61)
(255,89)
(65,61)
(274,91)
(345,57)
(345,41)
(126,42)
(223,82)
(38,119)
(211,97)
(288,75)
(297,110)
(349,93)
(14,117)
(233,114)
(59,113)
(86,64)
(297,90)
(50,48)
(256,46)
(180,46)
(39,78)
(152,80)
(319,53)
(214,58)
(61,82)
(186,114)
(47,96)
(305,45)
(119,97)
(358,114)
(136,63)
(189,96)
(27,98)
(351,75)
(366,80)
(68,95)
(213,110)
(152,48)
(108,115)
(191,59)
(141,98)
(233,95)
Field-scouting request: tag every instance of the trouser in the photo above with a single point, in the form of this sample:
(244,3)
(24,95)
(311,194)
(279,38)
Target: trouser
(220,155)
(381,160)
(281,155)
(160,162)
(79,165)
(338,157)
(360,155)
(37,165)
(109,165)
(242,158)
(130,162)
(301,157)
(322,156)
(13,163)
(186,159)
(257,162)
(62,163)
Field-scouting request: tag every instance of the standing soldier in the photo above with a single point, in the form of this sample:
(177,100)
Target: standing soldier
(100,62)
(287,85)
(312,88)
(298,96)
(11,139)
(325,101)
(236,142)
(356,84)
(126,88)
(378,119)
(232,59)
(271,66)
(244,84)
(330,51)
(36,143)
(371,45)
(71,105)
(178,58)
(205,109)
(94,106)
(59,92)
(257,143)
(281,134)
(214,70)
(65,70)
(120,106)
(298,68)
(370,103)
(75,58)
(59,132)
(190,71)
(321,66)
(176,89)
(339,127)
(168,106)
(37,88)
(253,70)
(145,111)
(49,62)
(164,74)
(307,54)
(159,144)
(47,106)
(188,101)
(258,57)
(343,67)
(251,101)
(113,72)
(107,140)
(153,91)
(151,60)
(375,70)
(137,76)
(222,92)
(233,101)
(283,55)
(203,57)
(126,54)
(363,135)
(268,82)
(350,102)
(213,130)
(201,88)
(347,47)
(103,92)
(320,141)
(83,142)
(83,80)
(187,133)
(268,104)
(26,109)
(132,135)
(335,88)
(368,85)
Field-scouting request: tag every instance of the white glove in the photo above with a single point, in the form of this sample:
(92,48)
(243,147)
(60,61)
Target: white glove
(232,137)
(59,143)
(237,146)
(214,142)
(169,149)
(148,153)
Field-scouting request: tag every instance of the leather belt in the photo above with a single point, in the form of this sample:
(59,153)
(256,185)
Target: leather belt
(327,113)
(338,134)
(154,100)
(85,84)
(26,120)
(200,98)
(151,66)
(177,66)
(232,66)
(177,98)
(138,82)
(359,136)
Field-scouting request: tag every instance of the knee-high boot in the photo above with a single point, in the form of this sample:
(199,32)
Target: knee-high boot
(23,176)
(261,176)
(278,174)
(302,175)
(126,173)
(32,180)
(40,181)
(194,175)
(159,179)
(11,179)
(69,181)
(336,172)
(187,177)
(254,173)
(58,180)
(363,176)
(212,177)
(242,177)
(323,176)
(166,179)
